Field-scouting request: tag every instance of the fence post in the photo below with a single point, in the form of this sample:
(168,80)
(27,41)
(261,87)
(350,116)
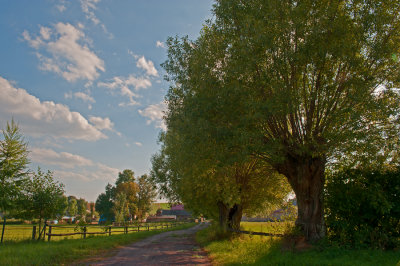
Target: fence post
(4,227)
(84,231)
(148,227)
(49,234)
(34,232)
(138,228)
(44,230)
(109,233)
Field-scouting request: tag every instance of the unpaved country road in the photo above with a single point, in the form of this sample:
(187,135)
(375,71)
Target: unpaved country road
(169,248)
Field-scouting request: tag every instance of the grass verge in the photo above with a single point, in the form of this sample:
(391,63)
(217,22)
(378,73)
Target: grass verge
(258,250)
(69,251)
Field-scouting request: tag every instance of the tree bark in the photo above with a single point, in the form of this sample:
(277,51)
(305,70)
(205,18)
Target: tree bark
(235,216)
(4,226)
(306,176)
(223,216)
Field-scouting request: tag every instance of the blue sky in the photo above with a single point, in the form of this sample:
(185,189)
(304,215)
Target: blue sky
(83,80)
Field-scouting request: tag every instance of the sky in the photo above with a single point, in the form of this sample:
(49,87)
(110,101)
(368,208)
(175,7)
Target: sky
(83,81)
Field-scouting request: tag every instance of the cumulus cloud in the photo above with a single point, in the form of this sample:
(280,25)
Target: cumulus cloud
(160,44)
(37,118)
(125,86)
(65,55)
(139,144)
(62,159)
(82,96)
(147,65)
(101,123)
(154,113)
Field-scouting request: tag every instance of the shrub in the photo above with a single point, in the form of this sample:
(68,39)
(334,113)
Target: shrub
(363,208)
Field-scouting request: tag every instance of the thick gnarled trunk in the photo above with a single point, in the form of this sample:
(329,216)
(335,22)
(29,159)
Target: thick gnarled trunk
(229,218)
(307,178)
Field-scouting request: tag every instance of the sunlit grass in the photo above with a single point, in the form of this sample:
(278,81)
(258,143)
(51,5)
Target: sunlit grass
(68,251)
(265,250)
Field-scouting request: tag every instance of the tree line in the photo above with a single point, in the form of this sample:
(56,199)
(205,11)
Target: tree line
(128,199)
(274,96)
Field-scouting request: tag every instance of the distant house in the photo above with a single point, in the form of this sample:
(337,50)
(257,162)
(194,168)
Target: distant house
(161,218)
(180,214)
(178,207)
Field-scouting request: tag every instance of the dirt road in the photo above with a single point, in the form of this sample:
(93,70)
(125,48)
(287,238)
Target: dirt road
(169,248)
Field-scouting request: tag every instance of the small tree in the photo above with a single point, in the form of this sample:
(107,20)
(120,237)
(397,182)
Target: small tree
(72,209)
(13,162)
(121,210)
(146,195)
(82,207)
(104,204)
(45,197)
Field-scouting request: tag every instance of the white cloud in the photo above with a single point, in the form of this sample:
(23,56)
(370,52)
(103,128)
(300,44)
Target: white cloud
(155,113)
(80,95)
(97,172)
(88,7)
(101,123)
(147,65)
(139,144)
(45,118)
(66,56)
(61,6)
(160,44)
(62,159)
(125,86)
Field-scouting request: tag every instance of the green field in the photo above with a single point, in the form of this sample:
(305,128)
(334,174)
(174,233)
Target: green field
(15,233)
(265,250)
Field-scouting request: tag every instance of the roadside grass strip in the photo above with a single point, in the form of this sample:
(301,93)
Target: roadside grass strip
(266,250)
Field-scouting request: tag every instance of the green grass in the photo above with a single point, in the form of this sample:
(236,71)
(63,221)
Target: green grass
(156,206)
(68,251)
(16,232)
(260,250)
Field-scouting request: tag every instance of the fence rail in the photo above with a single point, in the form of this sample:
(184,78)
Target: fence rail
(256,233)
(55,232)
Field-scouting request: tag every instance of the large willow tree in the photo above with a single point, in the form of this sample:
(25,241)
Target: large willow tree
(293,83)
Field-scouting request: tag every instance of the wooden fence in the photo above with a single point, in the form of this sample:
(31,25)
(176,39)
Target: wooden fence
(255,233)
(53,232)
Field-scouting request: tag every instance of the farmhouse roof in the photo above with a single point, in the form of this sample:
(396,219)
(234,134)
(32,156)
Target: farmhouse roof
(176,212)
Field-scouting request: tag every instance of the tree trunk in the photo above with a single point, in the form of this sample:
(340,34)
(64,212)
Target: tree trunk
(235,216)
(4,227)
(223,216)
(306,176)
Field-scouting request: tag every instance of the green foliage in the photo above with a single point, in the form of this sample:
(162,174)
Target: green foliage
(363,207)
(104,203)
(13,163)
(121,210)
(82,209)
(126,176)
(293,83)
(145,197)
(44,197)
(72,209)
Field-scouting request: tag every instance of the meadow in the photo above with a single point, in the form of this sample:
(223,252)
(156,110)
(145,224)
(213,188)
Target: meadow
(75,251)
(266,250)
